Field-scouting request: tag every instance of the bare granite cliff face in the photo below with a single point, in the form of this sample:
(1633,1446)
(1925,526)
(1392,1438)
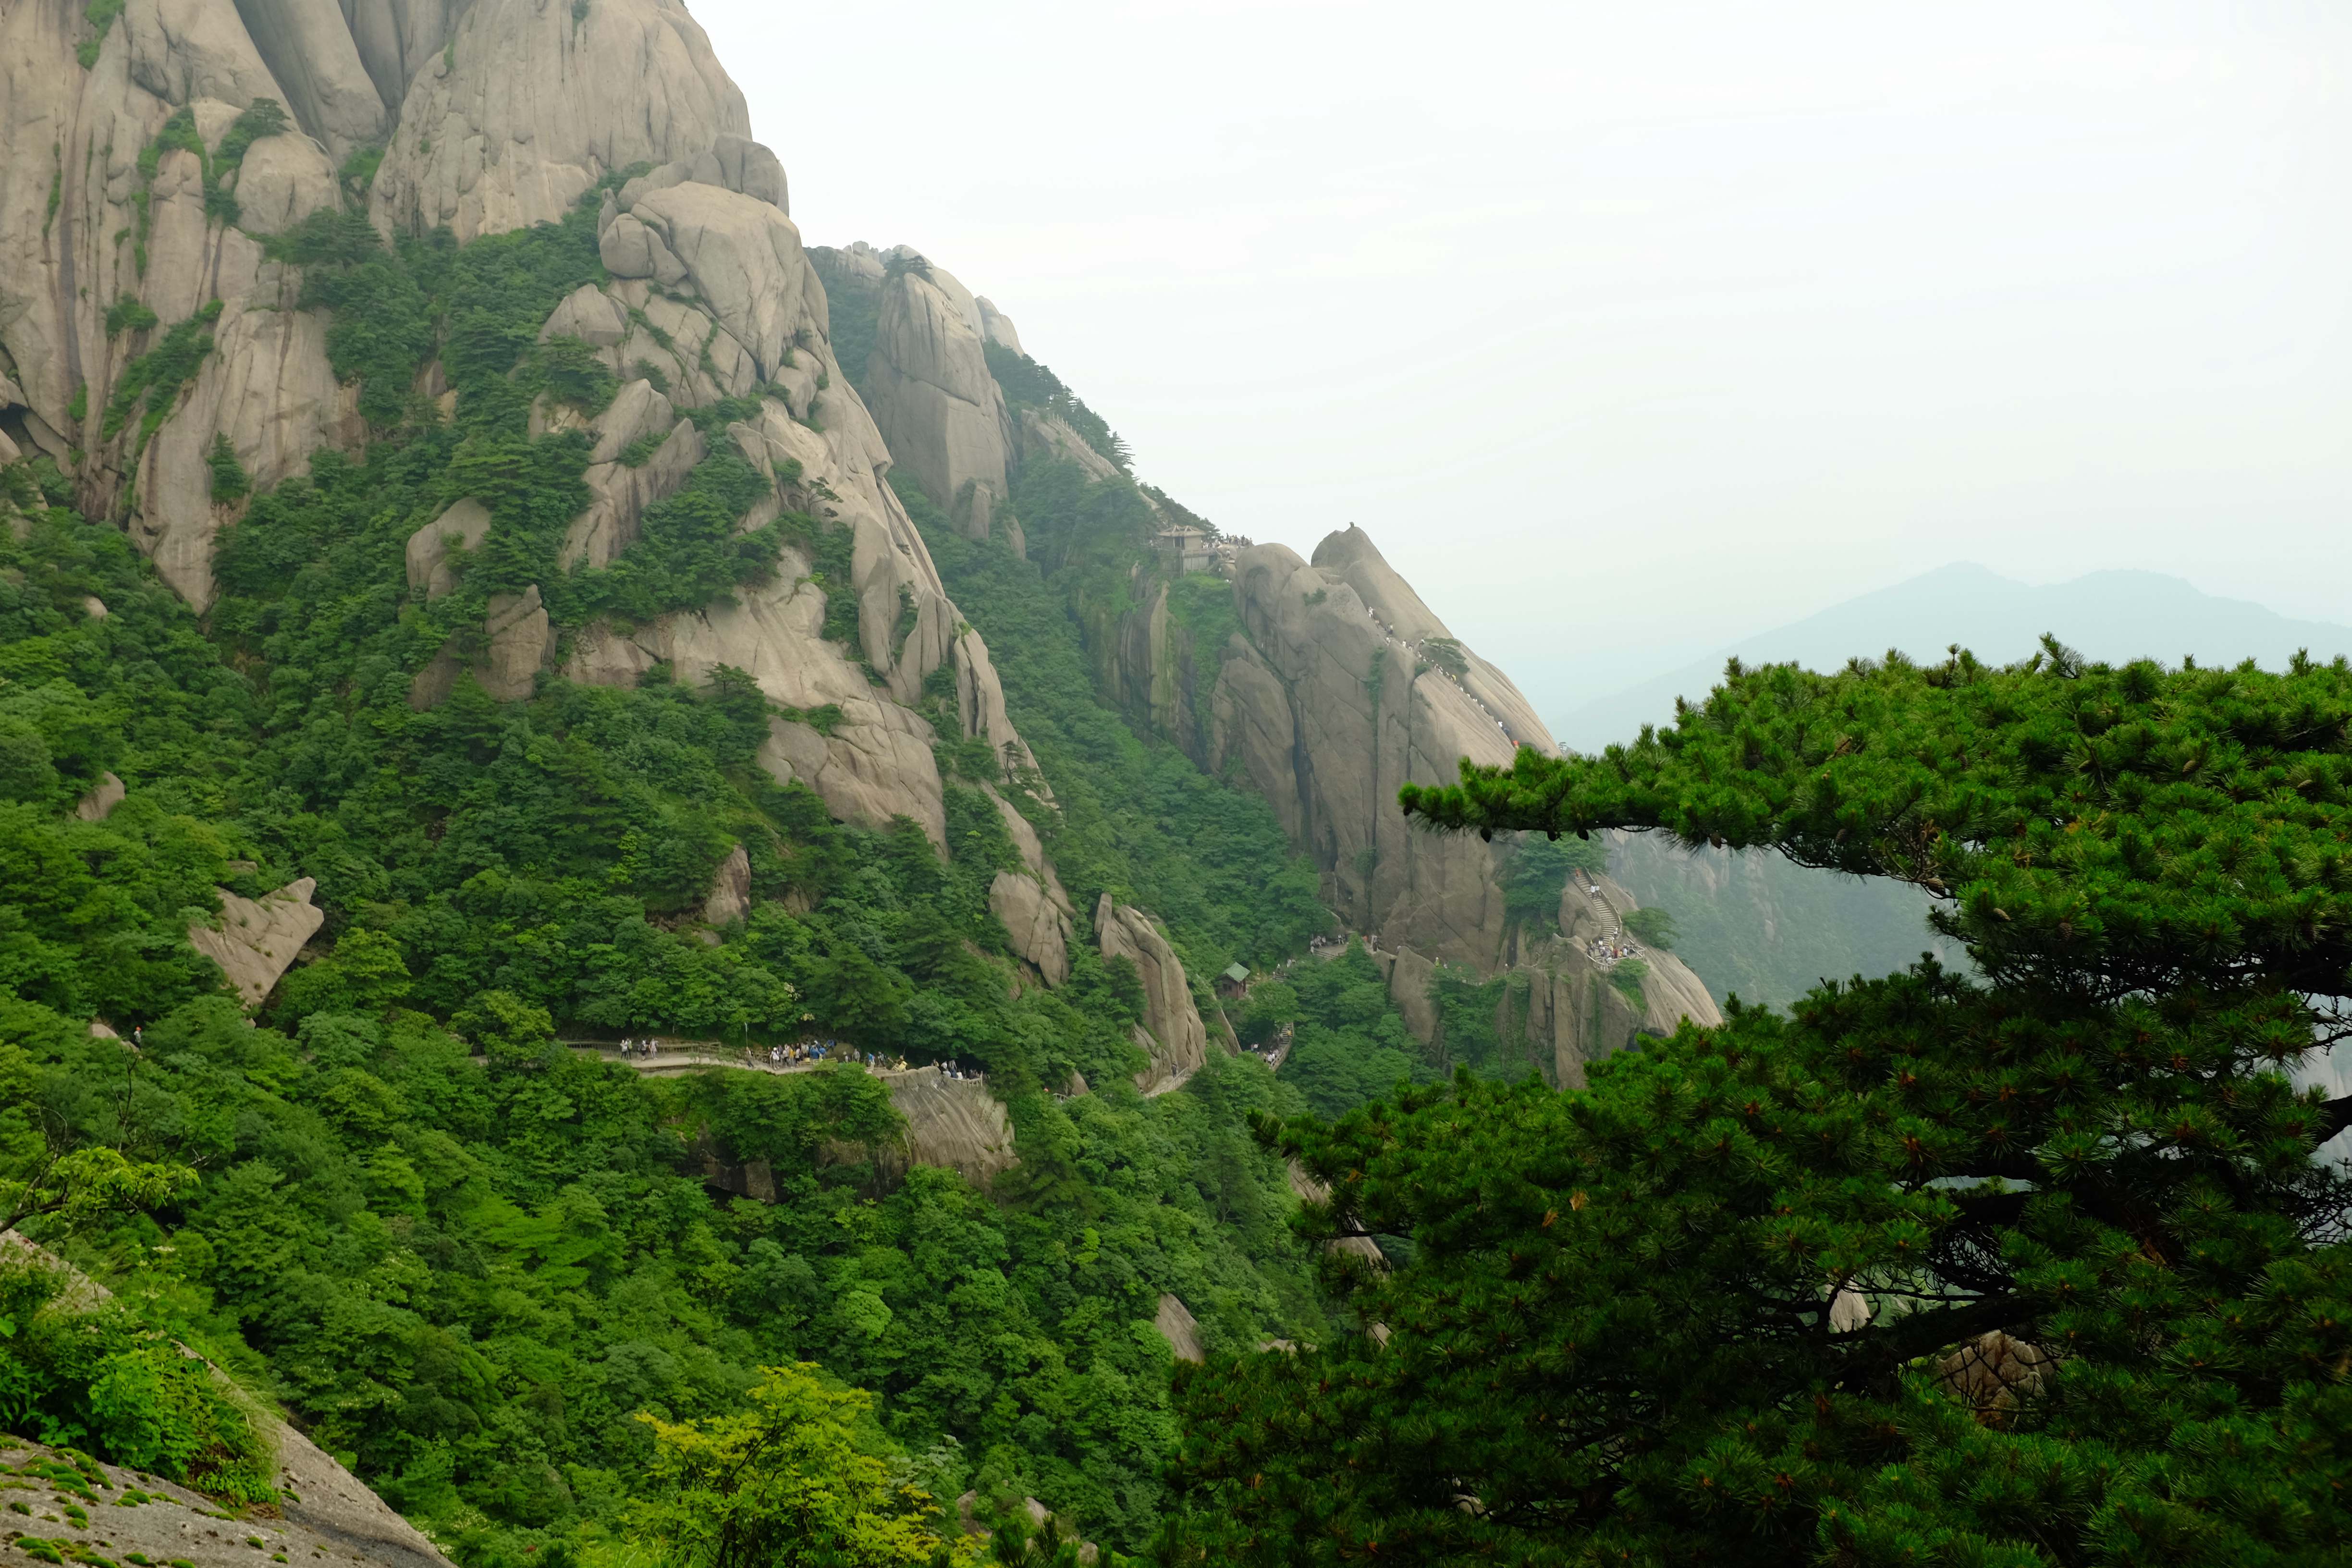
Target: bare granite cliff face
(1171,1033)
(926,376)
(525,104)
(938,407)
(126,216)
(1342,686)
(1329,708)
(111,239)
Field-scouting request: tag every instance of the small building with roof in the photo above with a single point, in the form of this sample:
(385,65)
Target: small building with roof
(1185,549)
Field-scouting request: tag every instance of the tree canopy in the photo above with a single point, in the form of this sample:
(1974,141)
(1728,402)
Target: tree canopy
(1734,1304)
(2107,829)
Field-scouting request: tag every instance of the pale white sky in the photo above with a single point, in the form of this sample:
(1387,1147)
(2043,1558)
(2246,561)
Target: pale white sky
(1628,329)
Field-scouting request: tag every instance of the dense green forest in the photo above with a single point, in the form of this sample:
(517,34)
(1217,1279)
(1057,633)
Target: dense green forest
(461,1254)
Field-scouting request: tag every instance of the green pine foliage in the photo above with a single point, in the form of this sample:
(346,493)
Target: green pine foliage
(1709,1310)
(1349,1045)
(151,383)
(2102,829)
(100,16)
(1028,385)
(128,314)
(230,482)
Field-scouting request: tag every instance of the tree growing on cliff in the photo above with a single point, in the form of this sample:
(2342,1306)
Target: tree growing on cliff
(1732,1305)
(786,1480)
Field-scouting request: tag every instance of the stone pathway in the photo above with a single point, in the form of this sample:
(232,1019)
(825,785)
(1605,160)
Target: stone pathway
(686,1056)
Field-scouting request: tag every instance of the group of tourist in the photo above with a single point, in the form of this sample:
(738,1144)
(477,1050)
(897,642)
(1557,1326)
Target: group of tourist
(1389,635)
(809,1053)
(1609,949)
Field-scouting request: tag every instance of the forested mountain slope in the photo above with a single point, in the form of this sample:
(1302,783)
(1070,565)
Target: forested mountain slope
(458,610)
(1322,686)
(450,597)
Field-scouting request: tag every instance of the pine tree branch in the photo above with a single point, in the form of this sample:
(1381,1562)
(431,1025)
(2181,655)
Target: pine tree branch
(2335,1117)
(1920,1333)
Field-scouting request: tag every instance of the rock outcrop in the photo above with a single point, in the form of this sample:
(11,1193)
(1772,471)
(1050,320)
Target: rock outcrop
(871,761)
(1178,1326)
(938,407)
(1564,1006)
(99,803)
(494,114)
(1172,1031)
(520,641)
(1340,686)
(741,255)
(322,1510)
(954,1123)
(257,939)
(996,326)
(1327,710)
(1594,909)
(730,890)
(74,192)
(1031,903)
(526,104)
(283,179)
(432,549)
(1039,928)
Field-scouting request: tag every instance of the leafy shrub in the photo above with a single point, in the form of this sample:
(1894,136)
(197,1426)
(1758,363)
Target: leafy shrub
(1627,974)
(231,483)
(570,372)
(99,1380)
(128,314)
(1652,928)
(101,14)
(152,382)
